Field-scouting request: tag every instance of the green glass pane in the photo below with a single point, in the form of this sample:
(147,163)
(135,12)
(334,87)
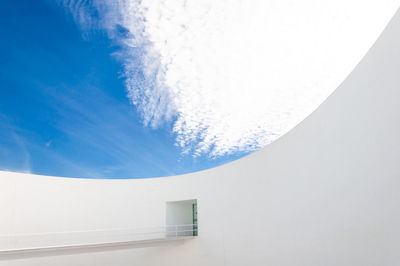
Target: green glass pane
(194,210)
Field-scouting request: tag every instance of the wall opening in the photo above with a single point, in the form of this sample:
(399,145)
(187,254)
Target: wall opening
(181,218)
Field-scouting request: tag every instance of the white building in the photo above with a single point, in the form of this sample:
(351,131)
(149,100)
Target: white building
(326,193)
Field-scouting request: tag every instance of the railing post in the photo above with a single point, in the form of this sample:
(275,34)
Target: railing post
(176,230)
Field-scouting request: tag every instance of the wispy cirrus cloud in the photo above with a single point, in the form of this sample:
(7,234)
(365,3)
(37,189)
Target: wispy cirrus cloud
(234,75)
(11,143)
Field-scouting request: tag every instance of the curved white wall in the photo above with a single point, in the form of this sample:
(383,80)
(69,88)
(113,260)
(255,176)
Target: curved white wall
(327,193)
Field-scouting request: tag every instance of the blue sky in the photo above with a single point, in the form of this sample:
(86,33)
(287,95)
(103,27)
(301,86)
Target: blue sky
(146,88)
(64,109)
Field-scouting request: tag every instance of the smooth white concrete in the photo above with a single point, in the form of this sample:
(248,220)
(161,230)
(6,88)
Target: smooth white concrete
(326,193)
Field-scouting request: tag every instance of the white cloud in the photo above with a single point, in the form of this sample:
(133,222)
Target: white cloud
(237,74)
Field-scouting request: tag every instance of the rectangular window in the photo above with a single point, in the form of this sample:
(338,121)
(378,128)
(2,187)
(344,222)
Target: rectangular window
(181,218)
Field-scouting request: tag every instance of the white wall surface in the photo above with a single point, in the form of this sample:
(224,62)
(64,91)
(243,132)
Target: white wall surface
(326,193)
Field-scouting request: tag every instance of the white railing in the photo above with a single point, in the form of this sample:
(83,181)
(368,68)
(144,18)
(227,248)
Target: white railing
(181,230)
(88,238)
